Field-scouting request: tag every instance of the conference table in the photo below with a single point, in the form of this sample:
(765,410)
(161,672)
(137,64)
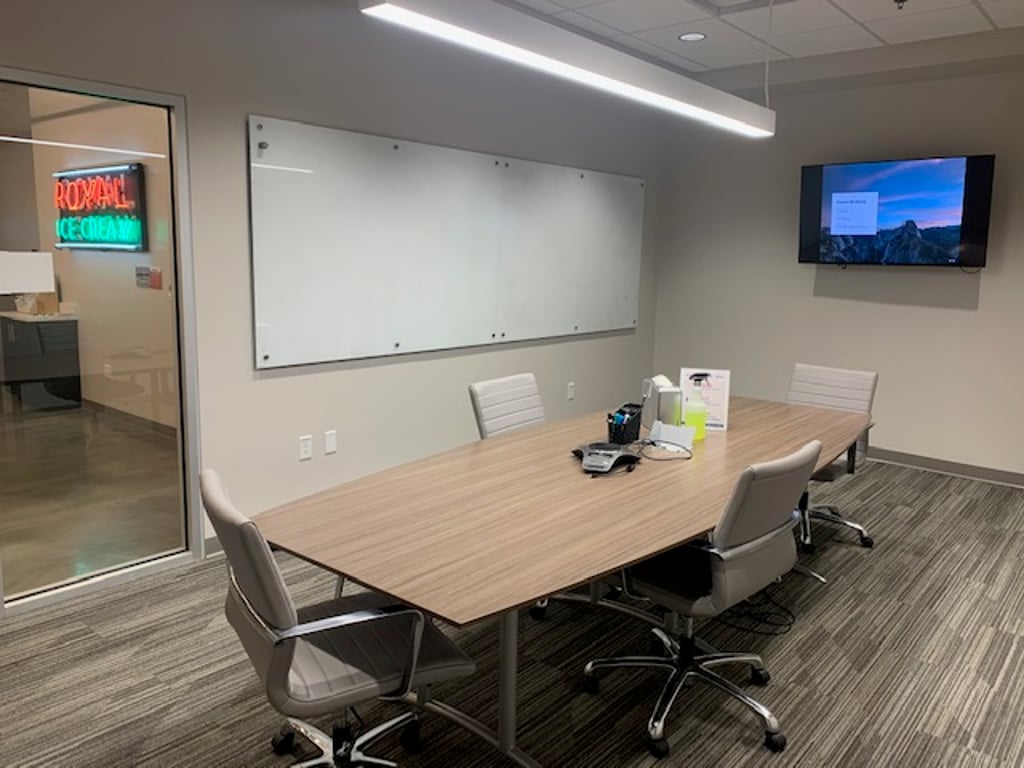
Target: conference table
(484,529)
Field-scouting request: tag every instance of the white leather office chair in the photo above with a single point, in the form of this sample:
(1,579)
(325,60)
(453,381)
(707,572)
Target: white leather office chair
(751,546)
(506,404)
(849,390)
(325,658)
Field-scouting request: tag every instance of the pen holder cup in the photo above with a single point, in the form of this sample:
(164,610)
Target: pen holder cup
(624,424)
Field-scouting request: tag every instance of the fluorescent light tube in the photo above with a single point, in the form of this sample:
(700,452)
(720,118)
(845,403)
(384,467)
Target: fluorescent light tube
(516,37)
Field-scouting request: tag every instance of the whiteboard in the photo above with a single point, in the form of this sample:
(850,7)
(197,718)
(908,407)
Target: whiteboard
(365,246)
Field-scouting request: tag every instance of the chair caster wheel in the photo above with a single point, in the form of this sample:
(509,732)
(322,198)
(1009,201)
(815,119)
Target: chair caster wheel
(591,684)
(410,737)
(760,676)
(657,747)
(807,549)
(776,742)
(867,542)
(283,741)
(538,612)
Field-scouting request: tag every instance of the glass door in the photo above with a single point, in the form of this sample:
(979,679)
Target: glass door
(91,471)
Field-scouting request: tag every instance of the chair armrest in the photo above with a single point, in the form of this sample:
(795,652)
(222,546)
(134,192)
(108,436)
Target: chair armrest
(343,620)
(742,549)
(362,617)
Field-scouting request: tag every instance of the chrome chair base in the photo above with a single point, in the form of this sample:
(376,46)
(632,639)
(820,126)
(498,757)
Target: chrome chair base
(348,753)
(685,667)
(828,514)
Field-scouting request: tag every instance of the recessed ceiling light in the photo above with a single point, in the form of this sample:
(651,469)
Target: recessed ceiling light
(692,37)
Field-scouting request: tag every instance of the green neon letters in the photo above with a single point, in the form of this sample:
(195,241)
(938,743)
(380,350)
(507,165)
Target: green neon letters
(108,228)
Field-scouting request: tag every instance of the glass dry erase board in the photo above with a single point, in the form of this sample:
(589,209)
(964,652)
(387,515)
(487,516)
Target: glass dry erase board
(364,246)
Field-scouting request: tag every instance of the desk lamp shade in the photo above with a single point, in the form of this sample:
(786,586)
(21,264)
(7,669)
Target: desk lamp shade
(26,272)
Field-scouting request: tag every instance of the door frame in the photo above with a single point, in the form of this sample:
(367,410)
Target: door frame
(187,337)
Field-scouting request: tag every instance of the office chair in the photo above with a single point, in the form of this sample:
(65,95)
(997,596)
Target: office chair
(849,390)
(327,657)
(751,546)
(506,404)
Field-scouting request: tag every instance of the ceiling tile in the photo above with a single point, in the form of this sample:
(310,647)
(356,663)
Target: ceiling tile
(634,15)
(685,64)
(651,51)
(544,6)
(789,18)
(1005,13)
(850,37)
(869,10)
(927,26)
(588,24)
(637,44)
(725,46)
(577,3)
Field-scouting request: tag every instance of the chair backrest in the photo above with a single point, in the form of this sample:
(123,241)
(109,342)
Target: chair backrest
(754,534)
(844,388)
(502,405)
(249,556)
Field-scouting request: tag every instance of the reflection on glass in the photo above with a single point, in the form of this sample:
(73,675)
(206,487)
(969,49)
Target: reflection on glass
(90,452)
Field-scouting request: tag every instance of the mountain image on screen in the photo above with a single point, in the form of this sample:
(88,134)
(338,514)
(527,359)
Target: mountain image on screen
(902,212)
(903,245)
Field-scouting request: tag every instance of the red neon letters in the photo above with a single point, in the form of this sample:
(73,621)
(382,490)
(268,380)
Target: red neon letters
(90,193)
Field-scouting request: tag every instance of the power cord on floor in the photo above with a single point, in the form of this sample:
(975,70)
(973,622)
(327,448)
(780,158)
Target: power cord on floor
(759,614)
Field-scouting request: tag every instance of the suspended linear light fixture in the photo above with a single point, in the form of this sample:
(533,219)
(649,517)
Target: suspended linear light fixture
(516,37)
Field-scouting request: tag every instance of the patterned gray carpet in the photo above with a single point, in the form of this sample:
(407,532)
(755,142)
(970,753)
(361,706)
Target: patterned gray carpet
(910,656)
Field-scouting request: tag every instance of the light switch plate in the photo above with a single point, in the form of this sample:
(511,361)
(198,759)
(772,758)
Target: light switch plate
(305,447)
(330,441)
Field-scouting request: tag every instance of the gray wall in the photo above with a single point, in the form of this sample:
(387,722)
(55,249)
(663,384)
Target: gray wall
(947,344)
(19,228)
(323,62)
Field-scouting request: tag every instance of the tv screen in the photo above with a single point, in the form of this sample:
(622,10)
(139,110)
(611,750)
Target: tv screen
(924,212)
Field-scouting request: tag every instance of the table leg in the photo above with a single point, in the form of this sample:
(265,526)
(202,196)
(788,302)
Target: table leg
(505,739)
(508,649)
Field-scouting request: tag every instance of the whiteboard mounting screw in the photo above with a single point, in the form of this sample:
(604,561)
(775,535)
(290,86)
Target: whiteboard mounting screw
(266,357)
(396,345)
(263,145)
(259,126)
(395,146)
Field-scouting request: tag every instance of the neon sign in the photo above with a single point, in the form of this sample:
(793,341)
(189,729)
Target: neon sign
(101,208)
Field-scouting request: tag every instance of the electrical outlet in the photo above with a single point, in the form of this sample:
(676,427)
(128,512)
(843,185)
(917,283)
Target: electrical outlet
(330,441)
(305,447)
(570,391)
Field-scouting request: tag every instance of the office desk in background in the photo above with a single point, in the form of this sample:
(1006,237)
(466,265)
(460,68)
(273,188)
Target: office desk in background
(483,529)
(40,350)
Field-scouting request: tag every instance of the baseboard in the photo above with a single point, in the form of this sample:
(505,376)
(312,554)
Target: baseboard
(986,474)
(137,421)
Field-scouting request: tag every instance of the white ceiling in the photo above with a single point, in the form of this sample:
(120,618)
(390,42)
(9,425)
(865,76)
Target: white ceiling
(738,30)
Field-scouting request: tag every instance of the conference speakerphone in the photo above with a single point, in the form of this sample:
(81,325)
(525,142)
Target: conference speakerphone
(601,458)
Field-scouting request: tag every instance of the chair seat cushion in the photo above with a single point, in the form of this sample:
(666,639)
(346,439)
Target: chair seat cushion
(360,662)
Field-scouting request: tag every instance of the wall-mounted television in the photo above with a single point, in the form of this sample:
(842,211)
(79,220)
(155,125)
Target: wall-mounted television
(921,212)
